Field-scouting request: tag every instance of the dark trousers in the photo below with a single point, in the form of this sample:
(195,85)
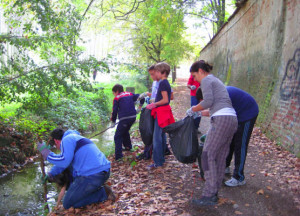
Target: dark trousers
(195,102)
(239,146)
(148,149)
(122,137)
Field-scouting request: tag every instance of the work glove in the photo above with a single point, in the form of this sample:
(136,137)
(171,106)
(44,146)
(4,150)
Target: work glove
(190,112)
(142,96)
(44,149)
(112,124)
(150,106)
(48,177)
(193,87)
(197,114)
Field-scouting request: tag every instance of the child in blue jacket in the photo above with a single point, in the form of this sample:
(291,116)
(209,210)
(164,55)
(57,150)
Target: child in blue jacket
(124,109)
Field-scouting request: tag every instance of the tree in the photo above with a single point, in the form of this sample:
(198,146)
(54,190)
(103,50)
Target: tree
(213,11)
(43,36)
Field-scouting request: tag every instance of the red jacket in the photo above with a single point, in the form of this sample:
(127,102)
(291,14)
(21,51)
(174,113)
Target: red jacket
(164,115)
(195,83)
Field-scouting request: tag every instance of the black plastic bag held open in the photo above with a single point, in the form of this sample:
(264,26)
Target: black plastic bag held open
(183,140)
(146,126)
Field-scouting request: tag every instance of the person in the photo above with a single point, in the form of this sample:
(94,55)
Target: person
(148,149)
(124,109)
(223,126)
(162,113)
(193,85)
(89,167)
(247,111)
(94,74)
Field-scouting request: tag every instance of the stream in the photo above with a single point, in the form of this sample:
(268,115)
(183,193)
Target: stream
(21,192)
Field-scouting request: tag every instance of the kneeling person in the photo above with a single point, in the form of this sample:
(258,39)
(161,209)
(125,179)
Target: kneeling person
(89,167)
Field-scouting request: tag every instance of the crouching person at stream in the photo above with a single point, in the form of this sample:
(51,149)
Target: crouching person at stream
(89,167)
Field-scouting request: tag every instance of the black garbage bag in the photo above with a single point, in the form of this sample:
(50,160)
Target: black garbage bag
(146,126)
(183,140)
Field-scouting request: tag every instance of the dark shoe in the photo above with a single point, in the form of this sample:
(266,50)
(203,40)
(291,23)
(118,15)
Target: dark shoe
(119,160)
(141,157)
(126,149)
(152,166)
(110,194)
(205,201)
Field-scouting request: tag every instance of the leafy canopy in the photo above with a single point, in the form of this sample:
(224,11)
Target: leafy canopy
(39,51)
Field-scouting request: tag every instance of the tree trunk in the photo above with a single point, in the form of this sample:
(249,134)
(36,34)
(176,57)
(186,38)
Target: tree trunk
(174,74)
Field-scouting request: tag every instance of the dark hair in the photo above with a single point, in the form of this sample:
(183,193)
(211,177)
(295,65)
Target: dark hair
(151,67)
(201,65)
(57,133)
(163,67)
(118,88)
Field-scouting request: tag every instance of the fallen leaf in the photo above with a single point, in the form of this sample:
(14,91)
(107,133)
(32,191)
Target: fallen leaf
(238,213)
(247,205)
(252,174)
(260,192)
(269,188)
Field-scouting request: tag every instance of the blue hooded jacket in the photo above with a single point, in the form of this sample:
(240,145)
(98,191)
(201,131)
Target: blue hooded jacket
(85,161)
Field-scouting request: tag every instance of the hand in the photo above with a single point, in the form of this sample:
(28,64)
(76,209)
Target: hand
(150,106)
(43,149)
(193,87)
(48,177)
(190,112)
(138,110)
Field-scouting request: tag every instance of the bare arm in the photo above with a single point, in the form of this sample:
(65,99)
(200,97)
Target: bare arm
(164,100)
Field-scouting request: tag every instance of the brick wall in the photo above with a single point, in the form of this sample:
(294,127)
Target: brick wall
(258,50)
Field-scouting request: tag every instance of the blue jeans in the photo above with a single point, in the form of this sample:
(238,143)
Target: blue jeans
(122,136)
(159,145)
(194,102)
(86,190)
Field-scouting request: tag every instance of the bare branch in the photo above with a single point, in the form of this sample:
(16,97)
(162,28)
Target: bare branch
(86,10)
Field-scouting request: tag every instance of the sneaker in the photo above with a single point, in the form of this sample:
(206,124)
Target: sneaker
(152,166)
(227,170)
(205,201)
(110,194)
(234,182)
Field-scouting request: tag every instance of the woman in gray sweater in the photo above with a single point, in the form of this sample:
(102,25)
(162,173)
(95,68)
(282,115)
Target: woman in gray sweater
(223,126)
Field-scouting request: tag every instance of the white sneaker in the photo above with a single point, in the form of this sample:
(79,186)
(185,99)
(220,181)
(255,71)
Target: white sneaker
(227,170)
(234,182)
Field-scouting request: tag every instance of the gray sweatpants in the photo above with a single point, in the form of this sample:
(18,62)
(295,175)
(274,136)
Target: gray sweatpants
(215,151)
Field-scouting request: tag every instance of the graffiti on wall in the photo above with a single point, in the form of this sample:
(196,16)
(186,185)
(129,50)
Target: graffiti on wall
(289,88)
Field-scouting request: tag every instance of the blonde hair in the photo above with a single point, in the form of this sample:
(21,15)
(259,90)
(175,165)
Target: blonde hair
(163,67)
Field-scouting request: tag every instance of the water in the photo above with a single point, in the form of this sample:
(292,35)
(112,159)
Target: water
(21,192)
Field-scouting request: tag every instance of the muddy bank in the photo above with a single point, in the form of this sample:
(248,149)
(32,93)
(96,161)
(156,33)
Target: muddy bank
(16,149)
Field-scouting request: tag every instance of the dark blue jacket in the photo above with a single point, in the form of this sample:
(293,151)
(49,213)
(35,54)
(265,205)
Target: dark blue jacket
(244,104)
(123,105)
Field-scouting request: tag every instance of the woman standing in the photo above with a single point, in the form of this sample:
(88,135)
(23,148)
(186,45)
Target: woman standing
(223,126)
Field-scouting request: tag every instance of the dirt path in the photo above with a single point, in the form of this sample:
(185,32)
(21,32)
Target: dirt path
(272,175)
